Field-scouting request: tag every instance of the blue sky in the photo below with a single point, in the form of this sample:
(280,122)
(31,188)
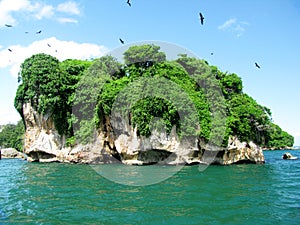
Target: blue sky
(238,32)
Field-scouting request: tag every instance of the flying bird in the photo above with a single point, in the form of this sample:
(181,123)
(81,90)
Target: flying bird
(211,53)
(9,50)
(121,41)
(258,66)
(201,18)
(49,45)
(128,2)
(38,32)
(8,25)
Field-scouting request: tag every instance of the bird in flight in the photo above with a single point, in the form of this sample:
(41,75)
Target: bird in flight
(38,32)
(8,25)
(201,18)
(258,66)
(121,41)
(9,50)
(128,2)
(48,45)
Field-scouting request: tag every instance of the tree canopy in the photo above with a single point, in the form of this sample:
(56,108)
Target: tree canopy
(153,92)
(144,55)
(49,85)
(12,135)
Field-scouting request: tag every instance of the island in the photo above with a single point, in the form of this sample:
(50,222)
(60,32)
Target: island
(145,110)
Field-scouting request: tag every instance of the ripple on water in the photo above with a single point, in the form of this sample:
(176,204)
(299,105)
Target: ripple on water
(67,194)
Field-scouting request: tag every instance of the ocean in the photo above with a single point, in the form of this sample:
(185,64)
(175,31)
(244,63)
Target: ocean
(54,193)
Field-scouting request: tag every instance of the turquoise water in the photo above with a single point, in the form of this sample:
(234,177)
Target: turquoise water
(33,193)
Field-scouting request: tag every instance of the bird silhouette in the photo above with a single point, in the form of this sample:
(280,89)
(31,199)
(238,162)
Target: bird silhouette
(211,53)
(8,25)
(48,45)
(9,50)
(121,41)
(38,32)
(201,18)
(128,2)
(258,66)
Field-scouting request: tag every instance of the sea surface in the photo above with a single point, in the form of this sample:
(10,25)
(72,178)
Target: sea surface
(53,193)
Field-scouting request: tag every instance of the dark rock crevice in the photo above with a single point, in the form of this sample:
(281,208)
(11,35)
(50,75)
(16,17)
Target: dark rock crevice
(37,156)
(153,156)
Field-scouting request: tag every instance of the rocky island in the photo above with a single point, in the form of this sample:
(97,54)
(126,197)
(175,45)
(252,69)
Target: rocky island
(144,111)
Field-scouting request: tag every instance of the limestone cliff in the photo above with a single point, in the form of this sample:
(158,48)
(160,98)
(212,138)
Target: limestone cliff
(44,144)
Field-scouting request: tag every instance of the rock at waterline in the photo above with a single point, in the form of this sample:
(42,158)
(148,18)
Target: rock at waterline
(11,153)
(288,155)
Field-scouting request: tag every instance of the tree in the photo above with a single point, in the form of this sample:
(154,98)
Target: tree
(164,90)
(247,119)
(232,84)
(277,138)
(102,70)
(207,83)
(71,72)
(144,55)
(40,78)
(193,65)
(12,136)
(48,86)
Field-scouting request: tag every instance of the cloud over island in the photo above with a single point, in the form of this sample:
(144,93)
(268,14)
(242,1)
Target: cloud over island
(58,48)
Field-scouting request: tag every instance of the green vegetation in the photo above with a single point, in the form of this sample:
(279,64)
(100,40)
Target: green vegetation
(11,136)
(49,85)
(151,92)
(88,88)
(277,138)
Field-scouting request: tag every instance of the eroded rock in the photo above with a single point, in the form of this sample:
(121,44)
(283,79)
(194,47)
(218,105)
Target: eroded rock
(44,144)
(11,153)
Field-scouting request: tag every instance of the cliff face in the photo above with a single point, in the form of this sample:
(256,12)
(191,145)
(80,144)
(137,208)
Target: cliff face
(44,144)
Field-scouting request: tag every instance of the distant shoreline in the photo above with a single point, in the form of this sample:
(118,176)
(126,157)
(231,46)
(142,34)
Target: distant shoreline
(281,149)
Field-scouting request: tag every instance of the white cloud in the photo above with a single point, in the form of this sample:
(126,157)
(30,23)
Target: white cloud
(9,6)
(46,11)
(229,23)
(234,26)
(34,9)
(60,49)
(67,20)
(239,30)
(69,7)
